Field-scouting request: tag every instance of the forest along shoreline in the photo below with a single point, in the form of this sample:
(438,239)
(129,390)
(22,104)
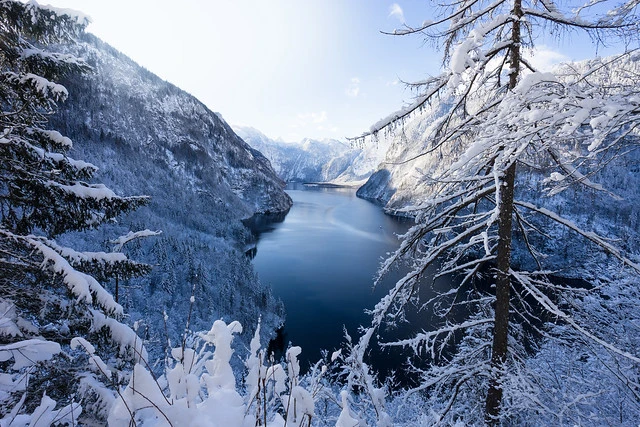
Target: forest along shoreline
(301,303)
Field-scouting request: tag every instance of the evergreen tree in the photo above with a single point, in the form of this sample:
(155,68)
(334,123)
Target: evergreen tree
(506,119)
(46,295)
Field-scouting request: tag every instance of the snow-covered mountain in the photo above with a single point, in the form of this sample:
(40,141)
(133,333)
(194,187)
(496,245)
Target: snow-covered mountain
(399,176)
(327,160)
(123,103)
(308,160)
(149,137)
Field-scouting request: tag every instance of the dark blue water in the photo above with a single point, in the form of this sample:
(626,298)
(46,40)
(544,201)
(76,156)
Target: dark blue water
(321,261)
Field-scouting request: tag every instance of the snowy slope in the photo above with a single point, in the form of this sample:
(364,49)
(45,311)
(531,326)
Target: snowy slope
(149,137)
(308,160)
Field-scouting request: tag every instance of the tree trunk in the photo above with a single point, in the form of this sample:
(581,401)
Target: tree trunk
(503,260)
(503,284)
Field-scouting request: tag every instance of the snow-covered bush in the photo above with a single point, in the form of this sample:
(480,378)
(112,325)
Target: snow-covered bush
(199,388)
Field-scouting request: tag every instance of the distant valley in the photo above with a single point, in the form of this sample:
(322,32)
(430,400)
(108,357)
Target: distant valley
(310,160)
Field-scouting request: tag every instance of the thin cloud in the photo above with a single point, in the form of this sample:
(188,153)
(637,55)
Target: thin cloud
(544,58)
(354,88)
(396,10)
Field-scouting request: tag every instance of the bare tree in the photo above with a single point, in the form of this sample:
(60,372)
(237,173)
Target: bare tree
(507,119)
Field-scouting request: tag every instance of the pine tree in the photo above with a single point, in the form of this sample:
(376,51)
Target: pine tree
(46,294)
(505,119)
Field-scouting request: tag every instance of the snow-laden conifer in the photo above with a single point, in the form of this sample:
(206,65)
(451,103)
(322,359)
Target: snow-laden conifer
(48,294)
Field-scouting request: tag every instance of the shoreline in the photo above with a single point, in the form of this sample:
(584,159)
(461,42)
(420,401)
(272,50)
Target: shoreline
(329,185)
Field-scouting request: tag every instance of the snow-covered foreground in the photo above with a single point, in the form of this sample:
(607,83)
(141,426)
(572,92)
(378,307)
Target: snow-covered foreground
(198,387)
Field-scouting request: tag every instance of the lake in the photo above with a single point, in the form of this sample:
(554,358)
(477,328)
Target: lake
(321,261)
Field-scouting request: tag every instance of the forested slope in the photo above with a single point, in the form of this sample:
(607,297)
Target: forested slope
(149,137)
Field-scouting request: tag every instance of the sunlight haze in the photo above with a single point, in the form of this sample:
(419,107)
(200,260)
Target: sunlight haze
(291,69)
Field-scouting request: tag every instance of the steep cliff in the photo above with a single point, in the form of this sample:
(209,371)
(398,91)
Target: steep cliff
(149,137)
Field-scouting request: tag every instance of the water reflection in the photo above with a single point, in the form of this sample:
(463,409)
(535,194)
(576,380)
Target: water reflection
(321,261)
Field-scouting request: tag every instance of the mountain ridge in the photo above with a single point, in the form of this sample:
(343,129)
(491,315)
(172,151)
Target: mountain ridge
(149,137)
(309,160)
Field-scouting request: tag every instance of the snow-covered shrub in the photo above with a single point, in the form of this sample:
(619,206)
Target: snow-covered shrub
(199,387)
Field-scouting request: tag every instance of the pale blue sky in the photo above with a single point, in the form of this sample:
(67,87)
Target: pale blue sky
(290,68)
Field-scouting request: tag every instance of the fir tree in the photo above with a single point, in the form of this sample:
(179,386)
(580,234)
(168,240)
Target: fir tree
(46,294)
